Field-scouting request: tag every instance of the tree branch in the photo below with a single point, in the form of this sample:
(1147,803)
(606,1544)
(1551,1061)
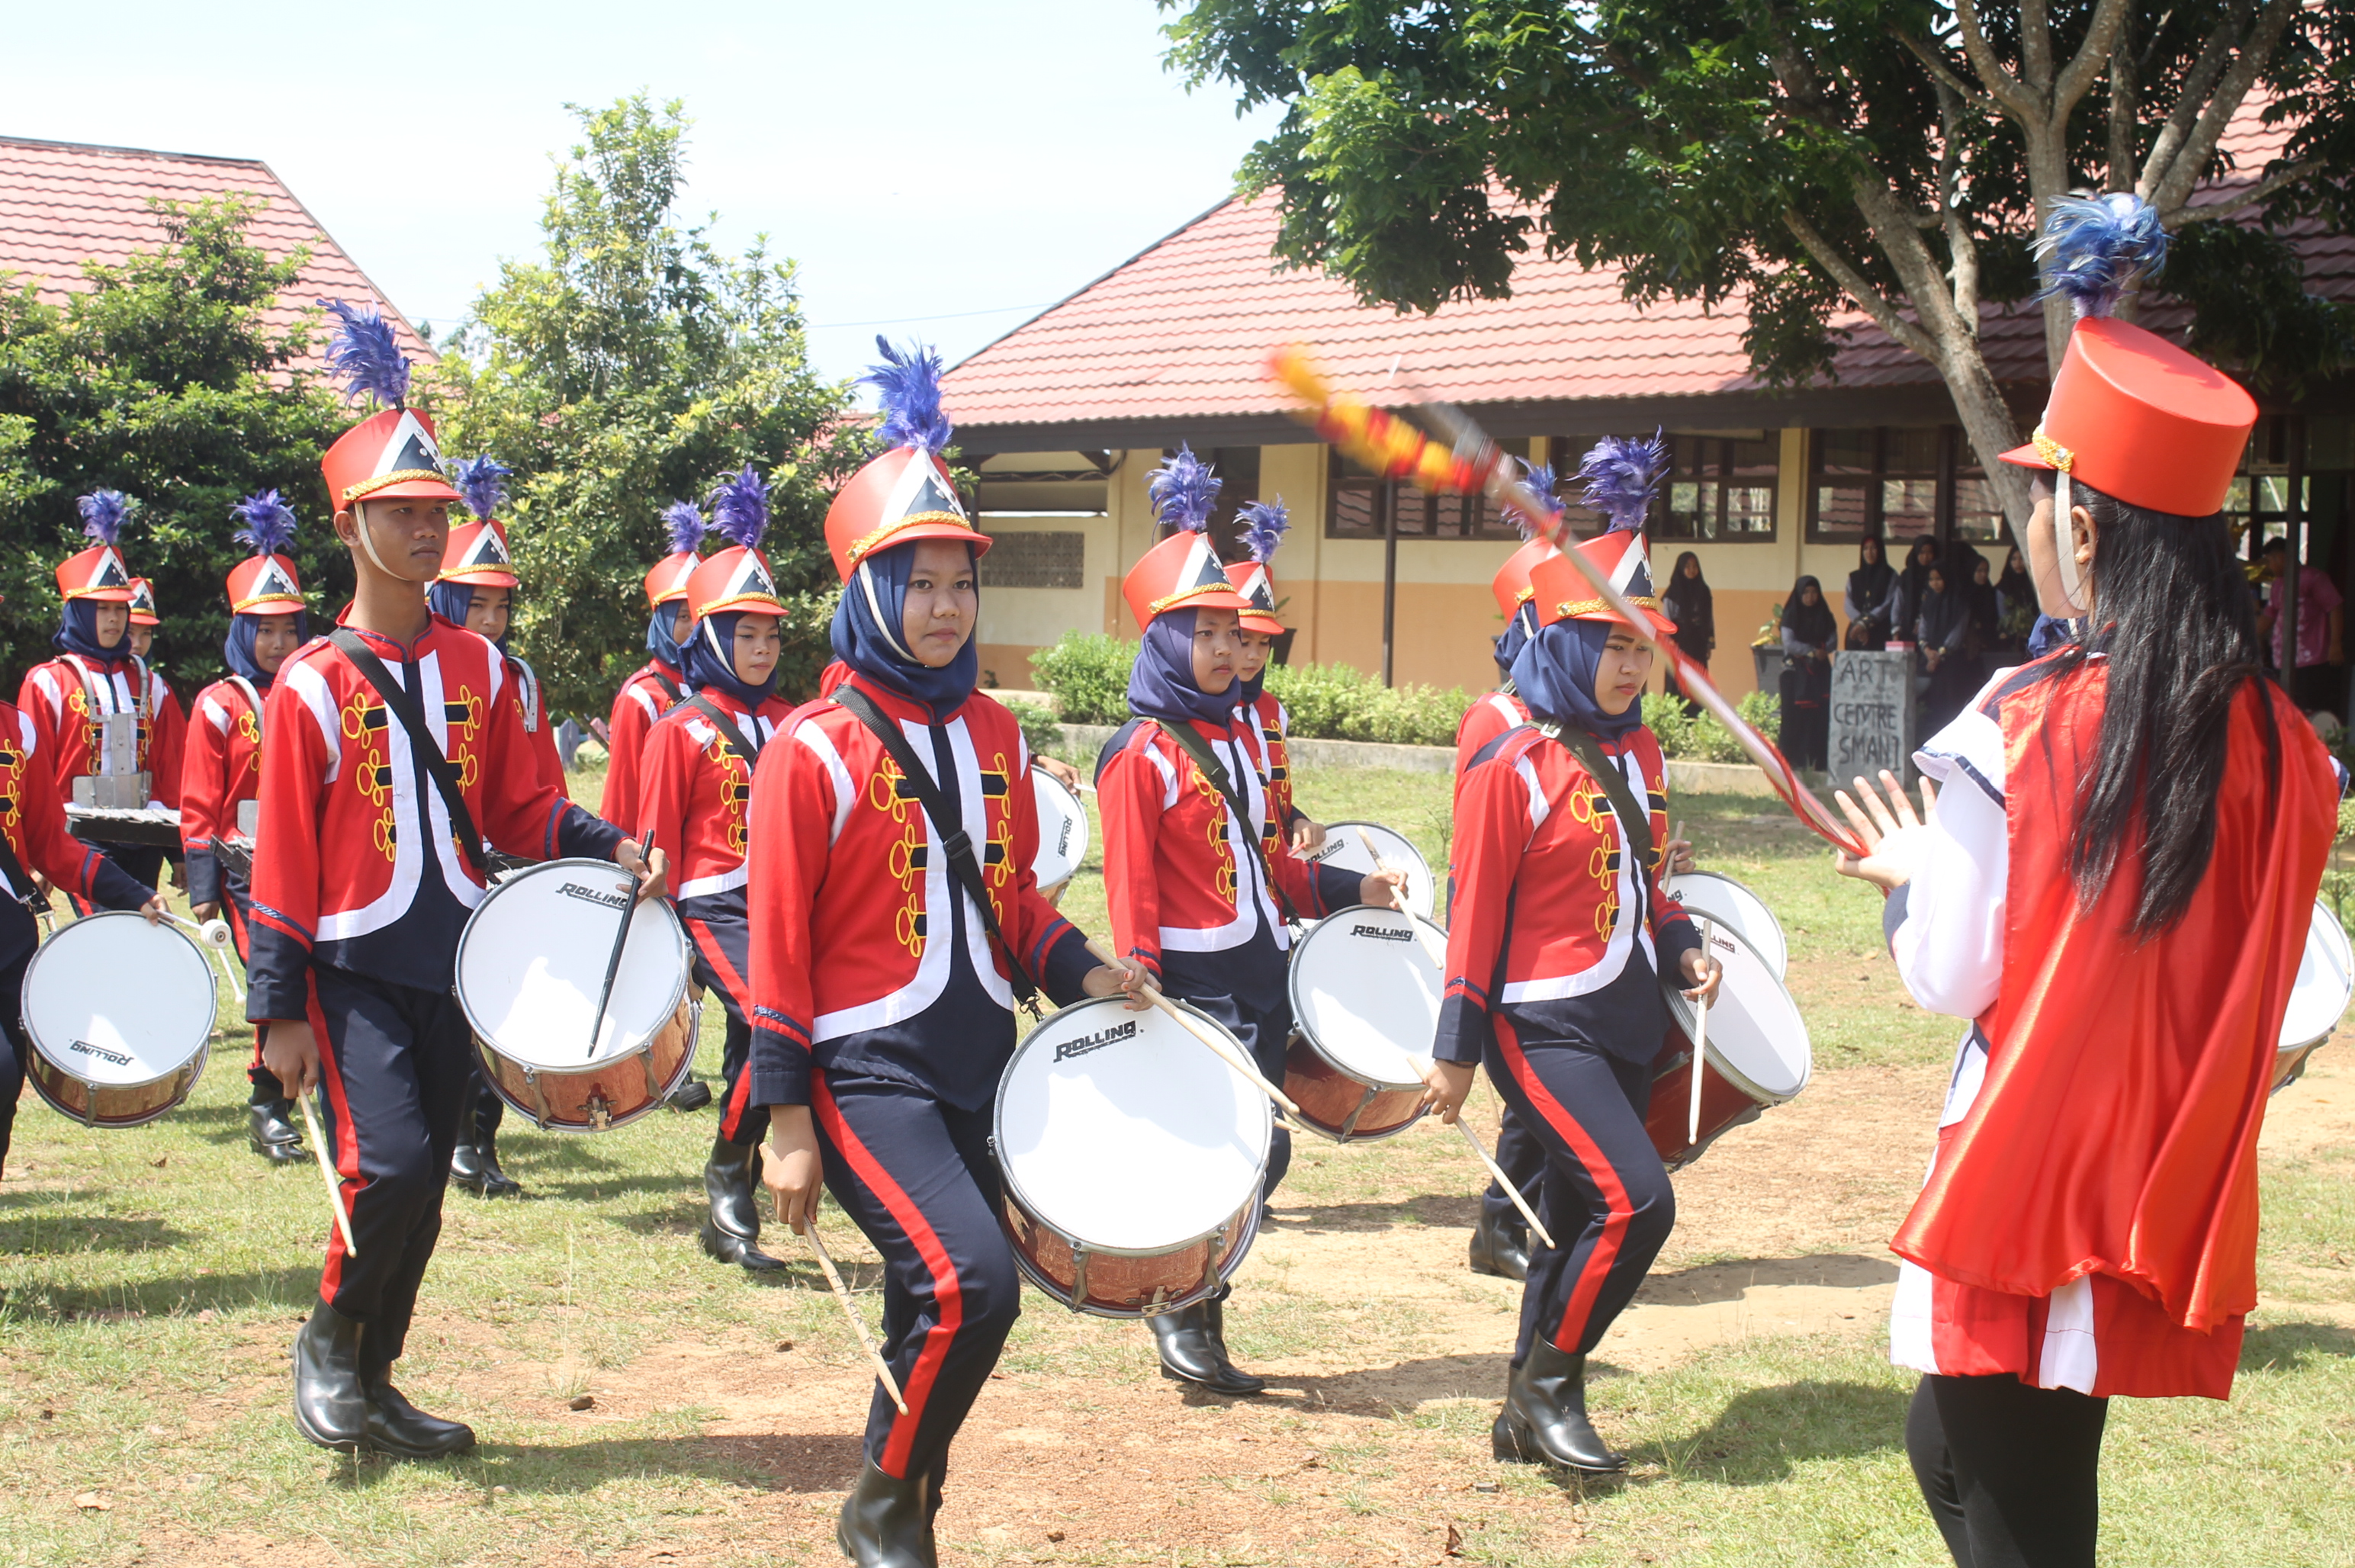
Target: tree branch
(2190,162)
(2092,58)
(2036,49)
(2125,106)
(2197,83)
(2264,189)
(2007,88)
(1851,278)
(1962,250)
(1945,74)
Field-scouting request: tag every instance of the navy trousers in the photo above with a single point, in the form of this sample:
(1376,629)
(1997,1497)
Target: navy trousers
(917,1177)
(1606,1198)
(12,1024)
(1523,1159)
(722,959)
(394,1061)
(237,909)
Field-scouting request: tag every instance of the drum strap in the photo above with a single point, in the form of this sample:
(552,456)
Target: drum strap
(253,699)
(1191,743)
(954,841)
(746,753)
(671,692)
(21,887)
(1623,804)
(403,706)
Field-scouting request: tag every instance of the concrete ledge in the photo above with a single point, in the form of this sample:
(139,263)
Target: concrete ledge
(1089,739)
(1716,778)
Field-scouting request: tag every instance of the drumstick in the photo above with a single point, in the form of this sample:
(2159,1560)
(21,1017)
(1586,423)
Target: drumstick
(613,962)
(1188,1023)
(1437,954)
(842,1298)
(1700,1042)
(1537,1227)
(334,1185)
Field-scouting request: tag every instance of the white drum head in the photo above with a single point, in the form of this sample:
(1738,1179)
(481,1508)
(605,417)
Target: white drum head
(1756,1037)
(1062,831)
(1344,849)
(1125,1133)
(1367,992)
(532,959)
(116,1002)
(1727,903)
(2325,984)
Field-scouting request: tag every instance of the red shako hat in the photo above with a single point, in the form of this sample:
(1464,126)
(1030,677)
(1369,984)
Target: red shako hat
(98,572)
(265,582)
(476,555)
(905,495)
(1182,571)
(1264,524)
(1622,474)
(738,577)
(389,455)
(667,583)
(143,604)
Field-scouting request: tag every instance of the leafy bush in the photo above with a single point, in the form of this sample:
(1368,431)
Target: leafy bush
(1089,675)
(1040,732)
(1699,738)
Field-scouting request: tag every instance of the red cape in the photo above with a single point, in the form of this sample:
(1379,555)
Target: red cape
(2117,1132)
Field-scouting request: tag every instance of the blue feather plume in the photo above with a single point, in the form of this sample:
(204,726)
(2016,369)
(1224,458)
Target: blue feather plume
(1541,478)
(1183,490)
(740,507)
(2094,245)
(687,527)
(367,356)
(269,523)
(908,387)
(1623,473)
(1264,523)
(102,512)
(483,483)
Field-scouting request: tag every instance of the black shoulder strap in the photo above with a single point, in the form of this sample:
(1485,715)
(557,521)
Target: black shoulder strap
(670,687)
(746,753)
(1194,746)
(954,841)
(27,892)
(403,706)
(1623,804)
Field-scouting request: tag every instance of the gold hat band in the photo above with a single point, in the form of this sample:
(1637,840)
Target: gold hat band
(2053,452)
(1596,606)
(366,487)
(859,548)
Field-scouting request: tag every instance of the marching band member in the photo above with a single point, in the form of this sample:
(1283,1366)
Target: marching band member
(662,680)
(1559,907)
(220,775)
(694,797)
(1259,713)
(1180,793)
(883,987)
(95,678)
(476,590)
(384,746)
(2116,889)
(168,724)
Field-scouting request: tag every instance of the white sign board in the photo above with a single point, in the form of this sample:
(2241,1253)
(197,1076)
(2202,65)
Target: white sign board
(1872,715)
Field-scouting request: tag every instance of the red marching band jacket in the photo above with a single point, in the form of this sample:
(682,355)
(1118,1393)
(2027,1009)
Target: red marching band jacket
(349,819)
(58,696)
(1529,820)
(34,818)
(539,728)
(1491,716)
(849,884)
(222,770)
(1173,877)
(696,797)
(644,698)
(1271,729)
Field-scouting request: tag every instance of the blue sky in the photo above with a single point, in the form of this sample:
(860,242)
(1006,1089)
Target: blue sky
(964,164)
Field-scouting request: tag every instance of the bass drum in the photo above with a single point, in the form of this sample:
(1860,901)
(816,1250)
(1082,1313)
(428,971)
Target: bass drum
(1132,1160)
(1062,834)
(1365,994)
(120,1015)
(1724,902)
(1758,1055)
(2318,998)
(1344,849)
(530,963)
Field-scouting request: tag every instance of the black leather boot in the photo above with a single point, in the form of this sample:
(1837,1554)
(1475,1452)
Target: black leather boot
(1501,1246)
(329,1407)
(476,1167)
(1191,1352)
(269,1128)
(1544,1419)
(887,1523)
(731,1232)
(1215,1310)
(398,1428)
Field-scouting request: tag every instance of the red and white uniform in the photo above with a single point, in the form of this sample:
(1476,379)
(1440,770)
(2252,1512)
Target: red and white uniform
(61,697)
(1268,727)
(2171,1061)
(32,816)
(221,771)
(644,698)
(1489,717)
(538,727)
(697,796)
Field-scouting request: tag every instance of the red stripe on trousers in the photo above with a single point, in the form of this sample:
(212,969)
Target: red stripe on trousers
(1618,1211)
(731,1115)
(347,1146)
(945,1288)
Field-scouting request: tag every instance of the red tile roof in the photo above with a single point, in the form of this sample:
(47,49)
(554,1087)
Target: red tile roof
(61,202)
(1175,337)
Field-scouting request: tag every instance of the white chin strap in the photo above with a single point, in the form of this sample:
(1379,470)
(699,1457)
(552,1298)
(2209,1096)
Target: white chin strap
(883,622)
(367,540)
(2064,548)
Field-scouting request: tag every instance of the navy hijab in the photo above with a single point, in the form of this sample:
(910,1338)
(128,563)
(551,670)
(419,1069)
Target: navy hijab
(1161,683)
(659,638)
(1554,673)
(1515,637)
(451,600)
(237,646)
(868,624)
(711,661)
(77,634)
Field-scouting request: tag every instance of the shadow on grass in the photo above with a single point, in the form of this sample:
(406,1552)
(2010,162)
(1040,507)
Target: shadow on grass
(1726,1281)
(294,1288)
(1765,1433)
(36,1235)
(2289,1347)
(1426,1209)
(818,1463)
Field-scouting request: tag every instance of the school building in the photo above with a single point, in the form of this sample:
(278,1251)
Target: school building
(1063,418)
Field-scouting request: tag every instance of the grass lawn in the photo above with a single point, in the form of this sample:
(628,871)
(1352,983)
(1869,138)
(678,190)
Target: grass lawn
(151,1282)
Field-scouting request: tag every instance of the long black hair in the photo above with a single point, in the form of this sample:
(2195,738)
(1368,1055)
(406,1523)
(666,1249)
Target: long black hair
(2180,640)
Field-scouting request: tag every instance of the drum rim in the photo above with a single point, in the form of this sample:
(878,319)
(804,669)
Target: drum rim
(1317,858)
(466,933)
(1681,1011)
(1780,936)
(2346,951)
(1300,1016)
(652,1103)
(1029,1206)
(1054,1292)
(1087,835)
(204,1037)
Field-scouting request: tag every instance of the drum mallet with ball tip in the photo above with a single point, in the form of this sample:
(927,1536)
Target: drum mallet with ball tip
(1096,950)
(215,934)
(842,1295)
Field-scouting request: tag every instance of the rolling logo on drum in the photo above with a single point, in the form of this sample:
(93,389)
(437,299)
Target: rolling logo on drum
(117,1058)
(1063,839)
(614,899)
(1381,932)
(1095,1041)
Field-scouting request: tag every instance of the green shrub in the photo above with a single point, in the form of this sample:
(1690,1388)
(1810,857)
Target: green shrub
(1040,731)
(1699,738)
(1089,675)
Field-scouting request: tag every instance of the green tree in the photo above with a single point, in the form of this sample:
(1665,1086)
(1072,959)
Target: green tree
(1797,158)
(162,379)
(632,366)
